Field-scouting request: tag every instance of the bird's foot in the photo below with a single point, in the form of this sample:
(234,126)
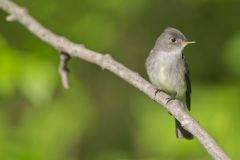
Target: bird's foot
(157,91)
(170,99)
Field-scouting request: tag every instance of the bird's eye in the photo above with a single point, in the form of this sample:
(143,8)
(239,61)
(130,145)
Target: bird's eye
(173,39)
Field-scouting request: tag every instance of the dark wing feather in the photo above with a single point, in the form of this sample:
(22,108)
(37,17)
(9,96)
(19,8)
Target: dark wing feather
(188,83)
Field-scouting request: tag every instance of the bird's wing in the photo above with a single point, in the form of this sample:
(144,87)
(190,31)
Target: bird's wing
(188,83)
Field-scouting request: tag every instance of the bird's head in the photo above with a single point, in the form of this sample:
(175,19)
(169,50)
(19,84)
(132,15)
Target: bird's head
(172,39)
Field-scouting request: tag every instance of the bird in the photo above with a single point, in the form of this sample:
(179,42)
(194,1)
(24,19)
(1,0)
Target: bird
(168,71)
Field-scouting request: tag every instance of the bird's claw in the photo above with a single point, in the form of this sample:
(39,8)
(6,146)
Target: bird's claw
(157,91)
(170,99)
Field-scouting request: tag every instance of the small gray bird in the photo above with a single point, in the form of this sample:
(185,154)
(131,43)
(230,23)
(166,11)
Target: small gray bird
(168,70)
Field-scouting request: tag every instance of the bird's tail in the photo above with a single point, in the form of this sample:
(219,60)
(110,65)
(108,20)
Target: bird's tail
(181,132)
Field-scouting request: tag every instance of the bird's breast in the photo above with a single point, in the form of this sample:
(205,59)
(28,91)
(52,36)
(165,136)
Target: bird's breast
(171,74)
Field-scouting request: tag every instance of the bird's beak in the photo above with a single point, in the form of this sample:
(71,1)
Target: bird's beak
(188,42)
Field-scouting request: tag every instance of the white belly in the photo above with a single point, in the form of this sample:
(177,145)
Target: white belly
(172,80)
(167,72)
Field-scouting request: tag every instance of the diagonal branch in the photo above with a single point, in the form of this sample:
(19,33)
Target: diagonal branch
(74,50)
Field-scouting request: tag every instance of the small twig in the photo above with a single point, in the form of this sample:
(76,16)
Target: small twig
(10,18)
(78,51)
(63,69)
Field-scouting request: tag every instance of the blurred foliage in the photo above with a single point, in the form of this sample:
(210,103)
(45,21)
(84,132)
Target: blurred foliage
(101,117)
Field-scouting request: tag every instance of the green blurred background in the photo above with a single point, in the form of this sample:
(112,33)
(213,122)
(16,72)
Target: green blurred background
(101,117)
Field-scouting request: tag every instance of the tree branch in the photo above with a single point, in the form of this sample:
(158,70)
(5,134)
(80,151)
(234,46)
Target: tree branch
(63,70)
(17,13)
